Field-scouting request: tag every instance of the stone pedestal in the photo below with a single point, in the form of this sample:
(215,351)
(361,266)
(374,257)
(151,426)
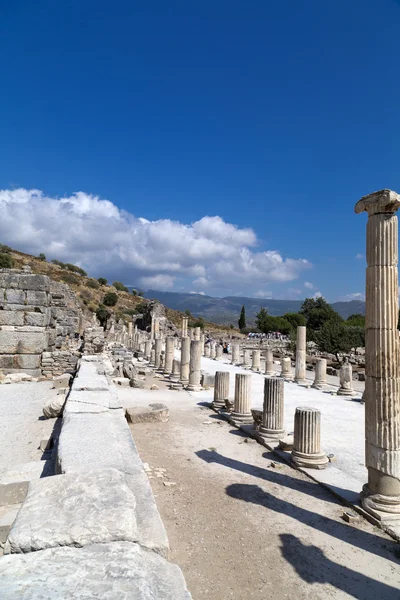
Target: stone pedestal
(307,439)
(247,358)
(176,370)
(346,379)
(195,366)
(269,363)
(185,359)
(169,355)
(301,351)
(286,369)
(212,349)
(241,414)
(271,427)
(381,496)
(157,352)
(218,353)
(320,381)
(207,350)
(221,389)
(256,361)
(235,354)
(147,349)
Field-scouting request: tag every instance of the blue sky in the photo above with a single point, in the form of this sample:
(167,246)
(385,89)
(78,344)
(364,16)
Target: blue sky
(275,117)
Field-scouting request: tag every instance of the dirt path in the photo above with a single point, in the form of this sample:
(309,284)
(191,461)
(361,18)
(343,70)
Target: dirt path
(241,525)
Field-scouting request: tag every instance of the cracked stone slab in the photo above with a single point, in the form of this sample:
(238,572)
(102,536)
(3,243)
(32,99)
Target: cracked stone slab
(107,399)
(152,413)
(92,382)
(116,571)
(74,510)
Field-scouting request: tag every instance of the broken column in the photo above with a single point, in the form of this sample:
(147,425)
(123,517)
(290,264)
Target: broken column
(307,439)
(221,389)
(157,352)
(212,349)
(185,359)
(235,354)
(301,351)
(320,381)
(169,354)
(195,366)
(381,495)
(269,362)
(286,371)
(241,414)
(207,350)
(176,370)
(247,357)
(271,427)
(256,360)
(346,379)
(197,333)
(218,352)
(147,349)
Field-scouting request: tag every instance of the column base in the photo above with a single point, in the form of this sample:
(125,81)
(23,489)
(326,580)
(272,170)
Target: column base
(218,404)
(287,377)
(309,461)
(343,392)
(301,381)
(383,508)
(271,434)
(194,388)
(239,419)
(319,385)
(184,382)
(269,373)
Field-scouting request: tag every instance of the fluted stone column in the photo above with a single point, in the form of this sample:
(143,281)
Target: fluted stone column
(221,389)
(157,352)
(176,370)
(147,349)
(195,366)
(256,360)
(381,496)
(320,381)
(212,349)
(286,371)
(301,351)
(235,354)
(272,418)
(218,352)
(307,439)
(241,414)
(269,362)
(169,354)
(346,379)
(185,359)
(247,357)
(185,326)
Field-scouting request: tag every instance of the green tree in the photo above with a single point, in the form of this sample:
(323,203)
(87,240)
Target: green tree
(5,249)
(242,319)
(110,299)
(42,256)
(134,292)
(102,314)
(317,312)
(120,286)
(356,320)
(261,318)
(199,323)
(6,261)
(188,313)
(92,283)
(102,281)
(295,319)
(333,337)
(141,294)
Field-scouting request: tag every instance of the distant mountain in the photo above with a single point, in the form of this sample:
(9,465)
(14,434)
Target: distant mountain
(226,310)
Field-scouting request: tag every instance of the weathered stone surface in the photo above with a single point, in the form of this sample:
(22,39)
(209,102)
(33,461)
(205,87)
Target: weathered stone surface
(28,472)
(148,414)
(90,382)
(13,493)
(22,342)
(7,518)
(137,383)
(11,317)
(115,571)
(74,510)
(53,408)
(62,381)
(107,398)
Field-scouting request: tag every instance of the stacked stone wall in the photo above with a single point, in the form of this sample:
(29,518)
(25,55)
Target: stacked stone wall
(59,362)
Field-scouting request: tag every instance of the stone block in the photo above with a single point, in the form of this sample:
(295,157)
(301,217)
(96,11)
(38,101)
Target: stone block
(7,517)
(53,407)
(113,571)
(13,493)
(37,298)
(28,472)
(74,510)
(11,317)
(62,381)
(22,342)
(107,399)
(33,282)
(207,380)
(148,414)
(15,296)
(36,318)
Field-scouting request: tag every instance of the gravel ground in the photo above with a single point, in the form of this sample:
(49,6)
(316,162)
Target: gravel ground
(22,422)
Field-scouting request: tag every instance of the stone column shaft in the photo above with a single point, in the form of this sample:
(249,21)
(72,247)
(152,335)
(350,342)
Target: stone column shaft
(320,381)
(176,370)
(147,349)
(241,414)
(346,380)
(169,354)
(157,353)
(301,352)
(272,419)
(218,352)
(246,357)
(207,350)
(195,366)
(197,333)
(221,389)
(185,359)
(286,371)
(307,439)
(269,362)
(256,360)
(212,349)
(235,354)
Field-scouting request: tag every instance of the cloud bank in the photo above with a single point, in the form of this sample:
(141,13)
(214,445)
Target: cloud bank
(209,254)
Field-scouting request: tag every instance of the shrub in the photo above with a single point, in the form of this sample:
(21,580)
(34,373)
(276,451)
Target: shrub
(86,295)
(75,269)
(141,294)
(58,263)
(134,292)
(92,283)
(102,281)
(6,261)
(42,256)
(110,299)
(70,278)
(5,249)
(120,286)
(103,314)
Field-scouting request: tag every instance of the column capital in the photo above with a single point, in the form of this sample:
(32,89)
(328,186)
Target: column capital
(384,201)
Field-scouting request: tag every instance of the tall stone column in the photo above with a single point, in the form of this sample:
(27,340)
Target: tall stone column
(195,366)
(247,358)
(157,353)
(185,359)
(241,414)
(147,349)
(235,354)
(169,354)
(381,496)
(286,368)
(269,362)
(221,389)
(197,333)
(218,352)
(307,439)
(301,351)
(256,360)
(320,381)
(272,419)
(153,357)
(185,326)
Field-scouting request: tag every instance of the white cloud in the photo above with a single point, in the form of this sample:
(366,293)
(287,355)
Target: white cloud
(95,234)
(317,295)
(354,296)
(308,285)
(360,256)
(197,293)
(262,294)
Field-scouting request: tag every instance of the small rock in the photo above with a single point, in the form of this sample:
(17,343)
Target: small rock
(169,483)
(154,387)
(350,516)
(53,408)
(250,441)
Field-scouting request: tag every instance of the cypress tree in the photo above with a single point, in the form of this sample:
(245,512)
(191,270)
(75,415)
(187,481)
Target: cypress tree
(242,319)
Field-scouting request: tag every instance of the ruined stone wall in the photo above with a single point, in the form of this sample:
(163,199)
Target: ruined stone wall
(59,362)
(66,315)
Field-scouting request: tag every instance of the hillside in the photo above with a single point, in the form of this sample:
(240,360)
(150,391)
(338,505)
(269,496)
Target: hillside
(226,310)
